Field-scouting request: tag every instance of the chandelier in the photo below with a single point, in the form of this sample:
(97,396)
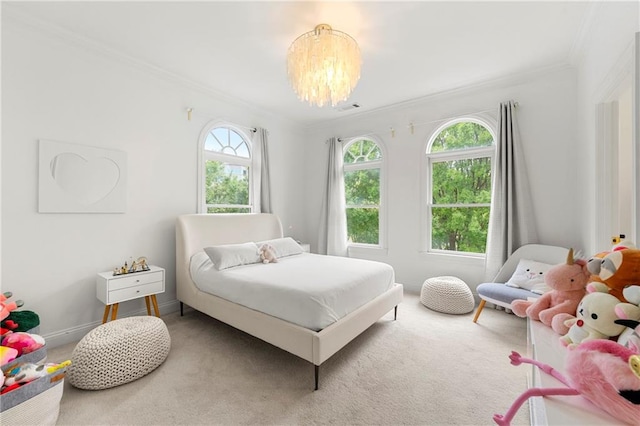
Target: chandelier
(323,65)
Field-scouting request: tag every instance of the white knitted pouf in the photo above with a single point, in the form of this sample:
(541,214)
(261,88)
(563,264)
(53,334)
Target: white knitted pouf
(446,294)
(119,352)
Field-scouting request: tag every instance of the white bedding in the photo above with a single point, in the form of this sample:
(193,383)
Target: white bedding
(309,290)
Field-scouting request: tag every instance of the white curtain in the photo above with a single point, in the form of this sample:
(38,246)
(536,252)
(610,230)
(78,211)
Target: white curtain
(511,220)
(332,238)
(262,181)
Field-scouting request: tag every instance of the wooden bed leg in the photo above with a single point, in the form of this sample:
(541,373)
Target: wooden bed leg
(317,373)
(395,313)
(181,309)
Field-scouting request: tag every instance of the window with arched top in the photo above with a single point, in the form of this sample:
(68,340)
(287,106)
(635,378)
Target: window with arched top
(363,177)
(225,170)
(459,159)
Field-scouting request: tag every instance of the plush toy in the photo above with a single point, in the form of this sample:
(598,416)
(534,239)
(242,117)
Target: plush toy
(620,269)
(21,320)
(602,371)
(5,308)
(28,372)
(596,316)
(630,335)
(567,281)
(23,342)
(7,354)
(268,254)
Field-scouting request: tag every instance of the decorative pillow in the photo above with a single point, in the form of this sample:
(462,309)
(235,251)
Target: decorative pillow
(283,247)
(230,255)
(529,275)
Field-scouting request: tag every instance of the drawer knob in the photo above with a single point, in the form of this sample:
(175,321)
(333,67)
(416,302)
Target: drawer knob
(137,281)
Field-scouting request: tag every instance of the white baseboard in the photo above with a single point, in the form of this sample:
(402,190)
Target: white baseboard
(74,334)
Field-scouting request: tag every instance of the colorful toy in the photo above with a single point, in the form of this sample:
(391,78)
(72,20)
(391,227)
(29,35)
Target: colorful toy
(596,316)
(268,254)
(5,308)
(28,372)
(7,354)
(568,282)
(630,336)
(23,342)
(602,371)
(21,321)
(620,269)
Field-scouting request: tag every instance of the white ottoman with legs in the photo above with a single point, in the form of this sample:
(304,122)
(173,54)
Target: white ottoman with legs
(447,294)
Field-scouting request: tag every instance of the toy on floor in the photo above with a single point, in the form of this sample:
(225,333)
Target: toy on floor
(268,254)
(602,371)
(596,316)
(7,307)
(567,281)
(23,342)
(28,372)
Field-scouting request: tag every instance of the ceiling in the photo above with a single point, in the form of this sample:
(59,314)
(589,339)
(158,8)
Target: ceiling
(409,49)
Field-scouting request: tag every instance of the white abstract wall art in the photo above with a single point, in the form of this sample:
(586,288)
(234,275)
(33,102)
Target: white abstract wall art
(76,178)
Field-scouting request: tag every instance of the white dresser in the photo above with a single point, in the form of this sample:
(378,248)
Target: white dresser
(544,346)
(113,289)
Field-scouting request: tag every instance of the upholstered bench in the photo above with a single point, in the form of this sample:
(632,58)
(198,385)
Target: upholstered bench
(119,352)
(447,294)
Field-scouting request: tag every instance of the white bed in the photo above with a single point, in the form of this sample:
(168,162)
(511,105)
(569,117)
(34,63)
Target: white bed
(194,232)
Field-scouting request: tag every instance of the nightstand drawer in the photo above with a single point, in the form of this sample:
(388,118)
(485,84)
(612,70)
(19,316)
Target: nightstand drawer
(136,279)
(116,296)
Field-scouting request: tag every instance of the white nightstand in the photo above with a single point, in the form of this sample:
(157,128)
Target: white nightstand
(113,289)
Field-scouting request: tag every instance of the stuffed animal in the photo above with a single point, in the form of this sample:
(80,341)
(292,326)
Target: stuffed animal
(596,316)
(7,354)
(5,308)
(28,372)
(620,269)
(268,254)
(630,336)
(567,281)
(602,371)
(23,342)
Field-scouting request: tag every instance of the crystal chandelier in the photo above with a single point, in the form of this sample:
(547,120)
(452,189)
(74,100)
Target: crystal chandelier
(323,65)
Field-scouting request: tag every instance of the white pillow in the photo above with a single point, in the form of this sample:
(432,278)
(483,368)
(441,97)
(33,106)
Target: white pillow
(230,255)
(282,247)
(529,275)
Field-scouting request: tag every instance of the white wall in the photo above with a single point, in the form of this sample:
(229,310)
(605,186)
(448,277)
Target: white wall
(605,66)
(546,116)
(60,89)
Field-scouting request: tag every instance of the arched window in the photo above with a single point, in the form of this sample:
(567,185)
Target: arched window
(225,170)
(459,163)
(363,177)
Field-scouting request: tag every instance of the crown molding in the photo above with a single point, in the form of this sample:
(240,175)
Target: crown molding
(619,73)
(576,56)
(77,40)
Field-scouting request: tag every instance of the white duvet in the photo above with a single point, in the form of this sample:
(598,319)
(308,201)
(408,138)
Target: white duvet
(309,290)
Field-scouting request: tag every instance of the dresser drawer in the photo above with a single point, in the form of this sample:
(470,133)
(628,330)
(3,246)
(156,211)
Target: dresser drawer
(116,296)
(135,279)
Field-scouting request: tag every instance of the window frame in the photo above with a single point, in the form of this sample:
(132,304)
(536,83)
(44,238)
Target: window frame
(430,158)
(204,155)
(382,205)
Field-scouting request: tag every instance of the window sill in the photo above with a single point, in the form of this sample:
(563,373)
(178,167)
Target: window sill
(454,257)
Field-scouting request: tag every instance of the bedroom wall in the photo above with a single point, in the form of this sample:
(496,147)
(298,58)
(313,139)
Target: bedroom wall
(59,88)
(546,116)
(605,65)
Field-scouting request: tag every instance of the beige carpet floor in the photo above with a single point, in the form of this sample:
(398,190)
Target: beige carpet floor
(426,368)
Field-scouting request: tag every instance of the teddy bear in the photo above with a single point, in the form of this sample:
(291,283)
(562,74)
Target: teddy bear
(619,269)
(630,336)
(268,254)
(596,317)
(567,282)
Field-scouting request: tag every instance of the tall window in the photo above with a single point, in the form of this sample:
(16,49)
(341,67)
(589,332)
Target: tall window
(459,158)
(362,181)
(226,175)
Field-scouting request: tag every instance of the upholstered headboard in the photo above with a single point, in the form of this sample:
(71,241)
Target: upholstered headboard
(194,232)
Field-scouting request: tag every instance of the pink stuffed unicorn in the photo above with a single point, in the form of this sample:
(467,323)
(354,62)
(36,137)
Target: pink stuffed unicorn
(603,371)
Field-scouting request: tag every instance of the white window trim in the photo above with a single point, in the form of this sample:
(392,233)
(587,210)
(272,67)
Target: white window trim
(201,203)
(382,208)
(429,158)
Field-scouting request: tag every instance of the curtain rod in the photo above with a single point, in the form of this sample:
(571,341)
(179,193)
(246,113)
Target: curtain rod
(251,129)
(413,125)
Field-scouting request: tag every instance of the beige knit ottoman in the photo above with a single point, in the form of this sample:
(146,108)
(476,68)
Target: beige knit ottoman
(119,352)
(447,294)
